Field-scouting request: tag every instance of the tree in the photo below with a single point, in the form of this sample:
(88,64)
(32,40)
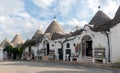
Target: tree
(15,53)
(12,53)
(9,50)
(20,51)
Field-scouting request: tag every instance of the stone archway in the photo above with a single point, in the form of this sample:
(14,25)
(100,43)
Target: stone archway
(87,46)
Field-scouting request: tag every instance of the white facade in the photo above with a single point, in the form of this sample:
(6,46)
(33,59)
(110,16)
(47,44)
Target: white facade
(1,54)
(115,43)
(109,40)
(97,38)
(34,50)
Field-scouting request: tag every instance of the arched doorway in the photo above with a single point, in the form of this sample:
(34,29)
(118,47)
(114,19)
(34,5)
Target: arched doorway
(87,46)
(46,47)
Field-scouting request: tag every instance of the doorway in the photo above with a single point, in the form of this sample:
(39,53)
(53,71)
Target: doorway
(48,49)
(87,46)
(60,52)
(68,52)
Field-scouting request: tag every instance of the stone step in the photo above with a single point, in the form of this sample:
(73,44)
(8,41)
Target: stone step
(87,59)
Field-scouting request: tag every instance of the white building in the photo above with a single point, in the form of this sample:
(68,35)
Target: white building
(114,37)
(3,44)
(1,54)
(17,40)
(97,40)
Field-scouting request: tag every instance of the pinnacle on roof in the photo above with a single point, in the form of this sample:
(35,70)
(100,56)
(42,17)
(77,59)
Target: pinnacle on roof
(39,31)
(99,18)
(17,39)
(99,8)
(54,27)
(54,18)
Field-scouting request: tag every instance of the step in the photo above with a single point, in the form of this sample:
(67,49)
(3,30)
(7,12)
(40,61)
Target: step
(87,59)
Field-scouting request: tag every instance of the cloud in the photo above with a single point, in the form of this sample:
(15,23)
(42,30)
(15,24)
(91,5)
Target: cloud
(64,6)
(111,7)
(14,19)
(23,24)
(74,22)
(43,3)
(107,6)
(2,18)
(55,7)
(25,16)
(8,7)
(93,5)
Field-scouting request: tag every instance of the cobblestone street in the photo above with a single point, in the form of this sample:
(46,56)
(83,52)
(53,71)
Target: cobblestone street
(42,67)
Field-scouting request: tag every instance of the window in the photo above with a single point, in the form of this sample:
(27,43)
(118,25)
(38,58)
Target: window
(52,44)
(73,44)
(68,45)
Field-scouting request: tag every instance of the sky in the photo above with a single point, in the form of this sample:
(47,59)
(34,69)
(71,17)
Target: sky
(26,16)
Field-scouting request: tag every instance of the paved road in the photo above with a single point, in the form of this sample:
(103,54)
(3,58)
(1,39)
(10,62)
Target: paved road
(42,67)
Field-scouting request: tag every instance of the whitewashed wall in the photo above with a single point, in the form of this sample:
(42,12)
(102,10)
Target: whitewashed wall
(101,39)
(72,48)
(27,49)
(97,38)
(115,43)
(52,45)
(1,54)
(34,50)
(57,45)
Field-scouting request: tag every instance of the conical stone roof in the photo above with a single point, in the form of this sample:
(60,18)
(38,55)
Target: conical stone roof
(38,35)
(54,27)
(99,18)
(17,39)
(5,42)
(117,15)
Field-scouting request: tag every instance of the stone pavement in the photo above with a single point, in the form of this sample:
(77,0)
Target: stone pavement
(102,65)
(50,67)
